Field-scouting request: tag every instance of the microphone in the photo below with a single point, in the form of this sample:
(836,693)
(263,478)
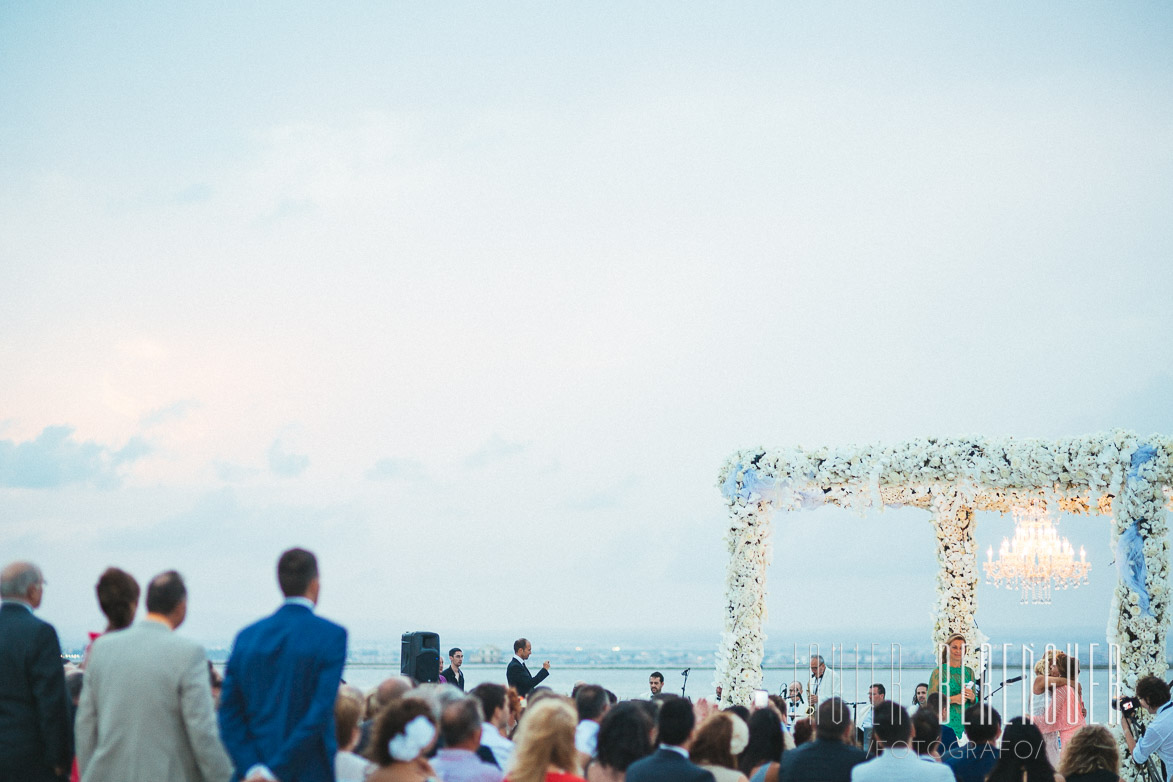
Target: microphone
(1013,680)
(685,671)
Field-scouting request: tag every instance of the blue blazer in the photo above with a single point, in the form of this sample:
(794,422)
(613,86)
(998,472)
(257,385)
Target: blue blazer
(277,705)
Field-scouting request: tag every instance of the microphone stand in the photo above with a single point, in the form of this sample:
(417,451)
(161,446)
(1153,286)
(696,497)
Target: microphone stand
(684,673)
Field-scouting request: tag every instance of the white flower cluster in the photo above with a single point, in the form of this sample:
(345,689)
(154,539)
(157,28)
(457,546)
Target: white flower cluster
(952,478)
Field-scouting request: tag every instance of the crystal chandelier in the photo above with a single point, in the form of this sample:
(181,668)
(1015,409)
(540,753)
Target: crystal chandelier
(1036,558)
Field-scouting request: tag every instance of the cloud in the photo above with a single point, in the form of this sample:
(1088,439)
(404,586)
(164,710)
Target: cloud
(495,449)
(234,473)
(604,499)
(56,459)
(176,411)
(388,469)
(284,463)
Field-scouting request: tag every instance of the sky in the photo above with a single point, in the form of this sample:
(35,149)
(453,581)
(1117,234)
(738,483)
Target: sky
(474,300)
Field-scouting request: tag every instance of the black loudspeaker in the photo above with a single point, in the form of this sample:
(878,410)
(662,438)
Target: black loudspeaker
(419,656)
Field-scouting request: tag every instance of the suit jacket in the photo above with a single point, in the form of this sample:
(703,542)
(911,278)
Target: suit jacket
(277,705)
(451,677)
(146,710)
(35,733)
(520,679)
(820,760)
(664,765)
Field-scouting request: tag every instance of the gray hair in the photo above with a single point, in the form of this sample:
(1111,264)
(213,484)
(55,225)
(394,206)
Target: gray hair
(437,695)
(818,657)
(17,577)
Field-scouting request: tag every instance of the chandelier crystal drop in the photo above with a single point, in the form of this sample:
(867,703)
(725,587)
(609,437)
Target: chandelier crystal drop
(1037,559)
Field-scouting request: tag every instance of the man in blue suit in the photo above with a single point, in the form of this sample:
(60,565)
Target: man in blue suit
(277,705)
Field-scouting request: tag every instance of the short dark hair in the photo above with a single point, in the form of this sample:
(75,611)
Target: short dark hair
(118,595)
(519,644)
(676,720)
(295,570)
(624,735)
(765,740)
(890,723)
(491,696)
(880,687)
(833,719)
(460,721)
(165,592)
(926,732)
(1153,689)
(657,675)
(982,723)
(591,702)
(454,650)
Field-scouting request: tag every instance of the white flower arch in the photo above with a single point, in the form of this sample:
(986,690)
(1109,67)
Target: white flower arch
(1115,474)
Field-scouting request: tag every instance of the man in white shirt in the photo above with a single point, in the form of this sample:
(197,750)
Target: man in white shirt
(893,731)
(495,706)
(824,682)
(592,703)
(1153,694)
(876,695)
(655,685)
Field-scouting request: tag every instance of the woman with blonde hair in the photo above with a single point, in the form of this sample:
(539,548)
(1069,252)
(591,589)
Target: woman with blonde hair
(544,744)
(719,740)
(953,679)
(1091,756)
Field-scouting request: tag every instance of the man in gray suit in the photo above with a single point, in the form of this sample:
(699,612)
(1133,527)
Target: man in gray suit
(146,706)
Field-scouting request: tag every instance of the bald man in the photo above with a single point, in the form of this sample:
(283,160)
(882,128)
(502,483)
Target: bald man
(36,738)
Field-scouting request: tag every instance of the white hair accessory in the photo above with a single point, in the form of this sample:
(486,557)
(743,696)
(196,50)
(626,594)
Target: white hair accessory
(739,739)
(416,736)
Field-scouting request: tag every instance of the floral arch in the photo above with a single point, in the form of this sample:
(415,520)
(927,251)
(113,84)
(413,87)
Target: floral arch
(1115,474)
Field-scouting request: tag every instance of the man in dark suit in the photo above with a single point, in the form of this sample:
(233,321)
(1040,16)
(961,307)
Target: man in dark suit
(518,675)
(829,758)
(36,738)
(277,706)
(670,762)
(452,673)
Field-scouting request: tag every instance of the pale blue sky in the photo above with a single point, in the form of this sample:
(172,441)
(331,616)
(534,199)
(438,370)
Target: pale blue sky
(475,299)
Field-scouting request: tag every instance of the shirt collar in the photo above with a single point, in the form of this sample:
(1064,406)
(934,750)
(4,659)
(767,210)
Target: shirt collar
(678,750)
(515,657)
(16,601)
(304,602)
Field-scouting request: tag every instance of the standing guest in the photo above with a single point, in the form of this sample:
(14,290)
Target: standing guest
(972,762)
(452,674)
(494,702)
(518,675)
(919,694)
(348,765)
(953,680)
(1040,701)
(545,744)
(1091,756)
(766,743)
(387,691)
(147,681)
(36,740)
(1022,758)
(824,682)
(625,736)
(896,758)
(670,762)
(591,703)
(461,726)
(656,685)
(876,695)
(831,756)
(936,704)
(277,708)
(718,742)
(118,595)
(1065,714)
(404,735)
(1153,694)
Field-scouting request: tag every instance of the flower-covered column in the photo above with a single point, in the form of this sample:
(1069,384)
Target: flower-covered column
(739,658)
(957,578)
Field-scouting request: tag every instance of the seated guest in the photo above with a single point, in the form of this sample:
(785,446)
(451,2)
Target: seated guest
(625,736)
(545,744)
(591,702)
(670,763)
(939,706)
(403,735)
(920,694)
(831,756)
(1023,758)
(718,742)
(973,761)
(495,746)
(804,731)
(892,729)
(1091,756)
(348,767)
(765,745)
(388,690)
(926,734)
(460,726)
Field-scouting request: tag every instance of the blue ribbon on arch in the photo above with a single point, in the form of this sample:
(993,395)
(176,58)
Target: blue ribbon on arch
(1130,564)
(766,489)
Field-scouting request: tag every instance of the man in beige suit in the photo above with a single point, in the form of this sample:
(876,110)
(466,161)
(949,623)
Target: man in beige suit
(146,705)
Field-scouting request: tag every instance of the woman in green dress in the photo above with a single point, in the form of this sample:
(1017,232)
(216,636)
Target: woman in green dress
(954,681)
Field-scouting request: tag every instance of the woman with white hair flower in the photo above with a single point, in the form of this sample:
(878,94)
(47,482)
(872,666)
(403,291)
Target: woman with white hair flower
(718,743)
(405,732)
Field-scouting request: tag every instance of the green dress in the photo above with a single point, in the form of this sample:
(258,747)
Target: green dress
(957,677)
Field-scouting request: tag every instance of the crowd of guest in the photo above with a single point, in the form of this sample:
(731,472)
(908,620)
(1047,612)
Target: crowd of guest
(147,705)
